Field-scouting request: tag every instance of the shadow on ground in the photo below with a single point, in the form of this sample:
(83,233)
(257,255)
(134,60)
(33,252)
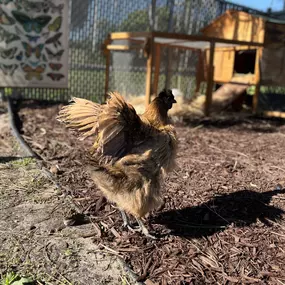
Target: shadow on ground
(249,122)
(6,159)
(241,208)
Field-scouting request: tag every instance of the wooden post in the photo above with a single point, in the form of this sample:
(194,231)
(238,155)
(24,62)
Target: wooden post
(156,68)
(255,98)
(199,70)
(148,71)
(257,80)
(168,67)
(107,54)
(210,80)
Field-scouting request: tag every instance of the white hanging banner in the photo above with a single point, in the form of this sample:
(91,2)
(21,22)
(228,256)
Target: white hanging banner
(34,43)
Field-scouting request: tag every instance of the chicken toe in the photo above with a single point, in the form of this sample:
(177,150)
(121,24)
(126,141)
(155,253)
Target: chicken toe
(125,218)
(143,229)
(126,222)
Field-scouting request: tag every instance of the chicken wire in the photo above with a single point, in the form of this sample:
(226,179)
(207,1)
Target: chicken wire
(90,22)
(127,73)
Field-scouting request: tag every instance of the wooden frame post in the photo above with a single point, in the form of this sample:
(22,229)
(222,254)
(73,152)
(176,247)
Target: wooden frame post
(257,80)
(210,80)
(199,70)
(106,52)
(149,54)
(168,67)
(156,68)
(107,70)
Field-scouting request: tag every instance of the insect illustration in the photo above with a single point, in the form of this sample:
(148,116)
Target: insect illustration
(33,38)
(55,66)
(55,8)
(33,72)
(7,37)
(19,56)
(18,30)
(54,40)
(5,2)
(5,19)
(8,69)
(34,63)
(44,58)
(55,25)
(31,24)
(8,53)
(56,55)
(36,50)
(55,76)
(36,7)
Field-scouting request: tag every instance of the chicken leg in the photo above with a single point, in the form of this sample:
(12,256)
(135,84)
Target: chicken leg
(126,222)
(143,229)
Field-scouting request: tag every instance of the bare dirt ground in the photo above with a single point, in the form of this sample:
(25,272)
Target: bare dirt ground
(34,240)
(223,217)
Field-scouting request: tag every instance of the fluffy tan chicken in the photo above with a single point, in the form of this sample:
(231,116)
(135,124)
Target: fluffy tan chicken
(130,153)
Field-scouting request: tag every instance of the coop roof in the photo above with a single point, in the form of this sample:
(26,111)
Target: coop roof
(125,40)
(240,25)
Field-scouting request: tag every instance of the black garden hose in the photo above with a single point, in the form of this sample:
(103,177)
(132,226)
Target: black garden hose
(16,133)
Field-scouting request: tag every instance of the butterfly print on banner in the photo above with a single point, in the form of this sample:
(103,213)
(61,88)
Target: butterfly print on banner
(8,69)
(7,37)
(8,53)
(54,8)
(5,2)
(29,50)
(31,24)
(45,35)
(54,40)
(44,58)
(5,19)
(33,72)
(55,66)
(19,56)
(34,63)
(55,76)
(55,25)
(57,55)
(33,38)
(33,6)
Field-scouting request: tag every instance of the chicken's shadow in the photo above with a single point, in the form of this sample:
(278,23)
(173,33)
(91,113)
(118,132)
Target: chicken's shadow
(240,209)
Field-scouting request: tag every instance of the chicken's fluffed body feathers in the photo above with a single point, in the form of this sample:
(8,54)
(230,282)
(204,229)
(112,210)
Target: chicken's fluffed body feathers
(138,148)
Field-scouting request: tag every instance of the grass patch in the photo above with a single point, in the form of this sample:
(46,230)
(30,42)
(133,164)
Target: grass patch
(12,278)
(9,278)
(23,162)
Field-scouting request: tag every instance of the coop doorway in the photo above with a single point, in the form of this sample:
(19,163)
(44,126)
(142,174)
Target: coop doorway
(244,62)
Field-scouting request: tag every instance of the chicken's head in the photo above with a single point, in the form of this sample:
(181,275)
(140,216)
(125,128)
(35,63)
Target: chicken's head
(167,97)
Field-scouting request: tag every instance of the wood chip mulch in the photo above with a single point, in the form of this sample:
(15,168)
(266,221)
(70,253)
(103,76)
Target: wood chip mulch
(223,217)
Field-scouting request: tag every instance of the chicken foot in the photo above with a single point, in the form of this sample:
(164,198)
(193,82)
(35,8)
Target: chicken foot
(141,227)
(126,222)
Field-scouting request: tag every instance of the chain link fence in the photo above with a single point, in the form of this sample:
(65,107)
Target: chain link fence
(90,22)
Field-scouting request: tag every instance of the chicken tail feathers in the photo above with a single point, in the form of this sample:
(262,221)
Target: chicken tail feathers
(81,115)
(116,124)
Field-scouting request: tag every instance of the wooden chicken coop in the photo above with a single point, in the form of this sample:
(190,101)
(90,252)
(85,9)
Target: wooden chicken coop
(153,42)
(247,64)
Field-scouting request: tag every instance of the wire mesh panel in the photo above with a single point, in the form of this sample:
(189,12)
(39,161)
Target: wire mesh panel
(178,71)
(90,22)
(128,73)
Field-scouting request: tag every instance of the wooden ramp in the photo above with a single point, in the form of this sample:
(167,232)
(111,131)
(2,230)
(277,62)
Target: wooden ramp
(225,96)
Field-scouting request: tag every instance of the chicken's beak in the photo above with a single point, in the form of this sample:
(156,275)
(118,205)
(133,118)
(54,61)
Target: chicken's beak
(174,101)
